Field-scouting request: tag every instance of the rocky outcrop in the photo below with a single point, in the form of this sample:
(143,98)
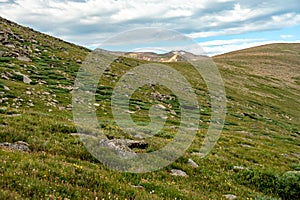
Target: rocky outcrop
(17,146)
(123,148)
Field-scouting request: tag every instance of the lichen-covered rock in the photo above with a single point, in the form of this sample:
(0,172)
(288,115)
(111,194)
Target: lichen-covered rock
(17,146)
(177,172)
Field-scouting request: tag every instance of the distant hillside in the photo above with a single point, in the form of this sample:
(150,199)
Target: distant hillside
(42,157)
(279,61)
(269,72)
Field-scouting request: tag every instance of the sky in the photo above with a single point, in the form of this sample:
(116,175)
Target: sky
(218,26)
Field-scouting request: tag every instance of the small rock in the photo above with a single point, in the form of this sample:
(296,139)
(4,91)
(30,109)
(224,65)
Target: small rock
(192,163)
(173,112)
(24,59)
(118,147)
(177,172)
(245,146)
(22,143)
(161,106)
(293,172)
(11,46)
(285,155)
(6,88)
(26,79)
(137,186)
(297,155)
(245,133)
(230,196)
(19,146)
(238,168)
(14,115)
(61,107)
(4,77)
(28,92)
(198,154)
(130,112)
(30,104)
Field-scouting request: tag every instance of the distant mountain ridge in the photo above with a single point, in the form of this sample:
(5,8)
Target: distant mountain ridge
(172,56)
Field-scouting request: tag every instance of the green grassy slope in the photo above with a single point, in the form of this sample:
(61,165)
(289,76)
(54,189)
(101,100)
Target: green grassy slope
(261,133)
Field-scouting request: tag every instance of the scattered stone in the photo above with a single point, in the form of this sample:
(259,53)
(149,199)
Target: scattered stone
(245,133)
(26,79)
(137,186)
(161,106)
(293,172)
(69,107)
(24,59)
(297,155)
(7,73)
(28,92)
(198,154)
(3,76)
(118,147)
(130,112)
(41,82)
(6,88)
(230,196)
(238,168)
(14,115)
(177,172)
(245,145)
(18,146)
(96,104)
(61,107)
(192,163)
(123,146)
(11,46)
(30,104)
(130,74)
(285,155)
(173,112)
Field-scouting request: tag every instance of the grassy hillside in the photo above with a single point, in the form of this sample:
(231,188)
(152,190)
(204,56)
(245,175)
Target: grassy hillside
(257,156)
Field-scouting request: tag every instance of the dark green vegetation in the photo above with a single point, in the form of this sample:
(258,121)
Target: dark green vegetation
(259,145)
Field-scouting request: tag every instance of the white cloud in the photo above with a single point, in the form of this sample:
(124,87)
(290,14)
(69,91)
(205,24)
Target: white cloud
(89,22)
(286,36)
(217,47)
(227,42)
